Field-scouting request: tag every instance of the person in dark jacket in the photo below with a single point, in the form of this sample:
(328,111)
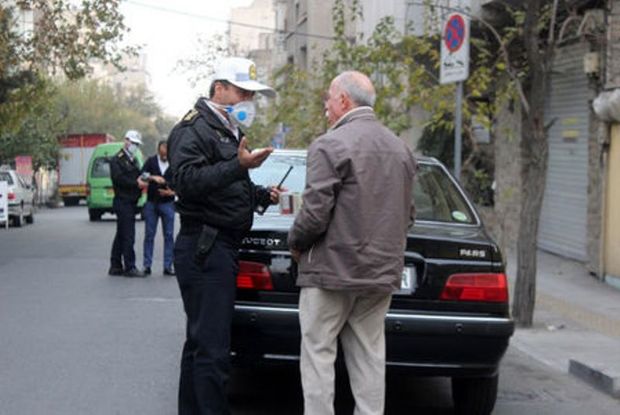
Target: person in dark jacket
(124,171)
(160,204)
(210,159)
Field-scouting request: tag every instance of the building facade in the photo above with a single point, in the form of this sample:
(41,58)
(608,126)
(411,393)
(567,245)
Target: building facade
(134,75)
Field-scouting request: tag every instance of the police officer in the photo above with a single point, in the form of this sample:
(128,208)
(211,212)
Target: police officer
(124,171)
(210,160)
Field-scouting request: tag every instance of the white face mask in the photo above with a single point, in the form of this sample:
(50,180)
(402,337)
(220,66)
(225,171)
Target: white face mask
(132,148)
(242,114)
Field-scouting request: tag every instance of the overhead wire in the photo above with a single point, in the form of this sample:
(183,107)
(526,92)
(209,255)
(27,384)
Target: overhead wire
(230,22)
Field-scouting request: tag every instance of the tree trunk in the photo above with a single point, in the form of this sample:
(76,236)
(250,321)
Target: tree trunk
(534,158)
(534,154)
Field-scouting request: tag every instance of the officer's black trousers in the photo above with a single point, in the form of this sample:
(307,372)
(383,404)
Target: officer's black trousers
(122,247)
(208,293)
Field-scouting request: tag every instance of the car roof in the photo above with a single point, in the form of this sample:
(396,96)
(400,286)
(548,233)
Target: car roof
(112,145)
(303,152)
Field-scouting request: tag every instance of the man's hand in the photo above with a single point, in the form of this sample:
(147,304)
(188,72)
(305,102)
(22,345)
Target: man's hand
(255,158)
(295,254)
(165,192)
(142,184)
(158,179)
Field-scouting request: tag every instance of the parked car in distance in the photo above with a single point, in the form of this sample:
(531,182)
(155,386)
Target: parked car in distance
(100,192)
(450,318)
(20,197)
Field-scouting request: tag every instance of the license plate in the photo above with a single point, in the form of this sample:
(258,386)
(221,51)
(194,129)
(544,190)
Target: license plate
(408,283)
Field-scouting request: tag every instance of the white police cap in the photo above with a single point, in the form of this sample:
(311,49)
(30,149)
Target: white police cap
(134,136)
(241,72)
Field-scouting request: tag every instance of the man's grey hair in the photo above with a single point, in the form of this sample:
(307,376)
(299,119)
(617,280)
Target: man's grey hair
(358,87)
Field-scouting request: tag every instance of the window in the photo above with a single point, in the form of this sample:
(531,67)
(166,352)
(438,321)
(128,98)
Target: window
(6,177)
(275,167)
(438,199)
(101,167)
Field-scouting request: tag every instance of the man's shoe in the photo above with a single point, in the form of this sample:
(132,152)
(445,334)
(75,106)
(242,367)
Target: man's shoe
(134,272)
(169,271)
(115,272)
(147,270)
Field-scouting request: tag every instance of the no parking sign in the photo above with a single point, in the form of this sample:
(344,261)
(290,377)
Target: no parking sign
(454,49)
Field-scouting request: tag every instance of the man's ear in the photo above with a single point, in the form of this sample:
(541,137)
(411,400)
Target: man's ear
(219,87)
(345,101)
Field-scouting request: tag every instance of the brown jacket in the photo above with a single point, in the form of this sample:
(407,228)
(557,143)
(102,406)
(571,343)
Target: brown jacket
(357,207)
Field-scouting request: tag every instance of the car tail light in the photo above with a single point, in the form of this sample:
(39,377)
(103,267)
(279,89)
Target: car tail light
(11,196)
(254,276)
(476,287)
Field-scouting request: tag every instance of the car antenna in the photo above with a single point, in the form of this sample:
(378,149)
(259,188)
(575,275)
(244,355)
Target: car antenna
(284,178)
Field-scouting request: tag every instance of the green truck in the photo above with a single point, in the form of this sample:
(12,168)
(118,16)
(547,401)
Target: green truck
(99,185)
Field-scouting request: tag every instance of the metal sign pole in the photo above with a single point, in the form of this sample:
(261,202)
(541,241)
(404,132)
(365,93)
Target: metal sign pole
(457,130)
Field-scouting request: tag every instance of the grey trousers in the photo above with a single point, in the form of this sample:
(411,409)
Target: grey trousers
(359,320)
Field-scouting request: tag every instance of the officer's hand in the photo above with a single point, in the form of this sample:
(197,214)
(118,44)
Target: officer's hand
(274,194)
(255,158)
(142,184)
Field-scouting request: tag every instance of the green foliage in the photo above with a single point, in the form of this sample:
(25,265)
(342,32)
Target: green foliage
(299,107)
(405,72)
(90,106)
(36,132)
(478,166)
(67,36)
(83,107)
(18,86)
(65,40)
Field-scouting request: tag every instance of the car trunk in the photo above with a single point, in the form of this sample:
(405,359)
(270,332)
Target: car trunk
(434,252)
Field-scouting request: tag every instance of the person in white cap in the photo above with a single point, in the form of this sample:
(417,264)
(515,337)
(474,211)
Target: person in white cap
(210,160)
(124,172)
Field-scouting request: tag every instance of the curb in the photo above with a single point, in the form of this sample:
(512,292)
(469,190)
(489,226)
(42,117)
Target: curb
(595,377)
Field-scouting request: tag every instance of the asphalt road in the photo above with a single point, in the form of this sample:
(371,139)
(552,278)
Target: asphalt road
(75,341)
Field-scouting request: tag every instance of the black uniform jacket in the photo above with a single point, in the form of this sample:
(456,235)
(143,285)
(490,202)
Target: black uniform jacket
(211,185)
(151,166)
(124,173)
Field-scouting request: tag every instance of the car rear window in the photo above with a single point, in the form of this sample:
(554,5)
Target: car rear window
(271,172)
(438,199)
(101,168)
(6,177)
(435,195)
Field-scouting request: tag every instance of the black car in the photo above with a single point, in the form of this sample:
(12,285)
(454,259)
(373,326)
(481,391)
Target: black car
(450,317)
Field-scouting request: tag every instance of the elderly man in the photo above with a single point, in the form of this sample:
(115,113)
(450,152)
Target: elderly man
(349,238)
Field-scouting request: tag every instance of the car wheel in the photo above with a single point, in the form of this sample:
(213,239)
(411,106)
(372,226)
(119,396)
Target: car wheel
(71,201)
(94,215)
(18,220)
(30,218)
(474,395)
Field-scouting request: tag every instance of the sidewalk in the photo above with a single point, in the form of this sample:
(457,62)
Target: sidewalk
(576,323)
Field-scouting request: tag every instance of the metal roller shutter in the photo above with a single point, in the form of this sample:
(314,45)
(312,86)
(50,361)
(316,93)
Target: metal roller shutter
(563,222)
